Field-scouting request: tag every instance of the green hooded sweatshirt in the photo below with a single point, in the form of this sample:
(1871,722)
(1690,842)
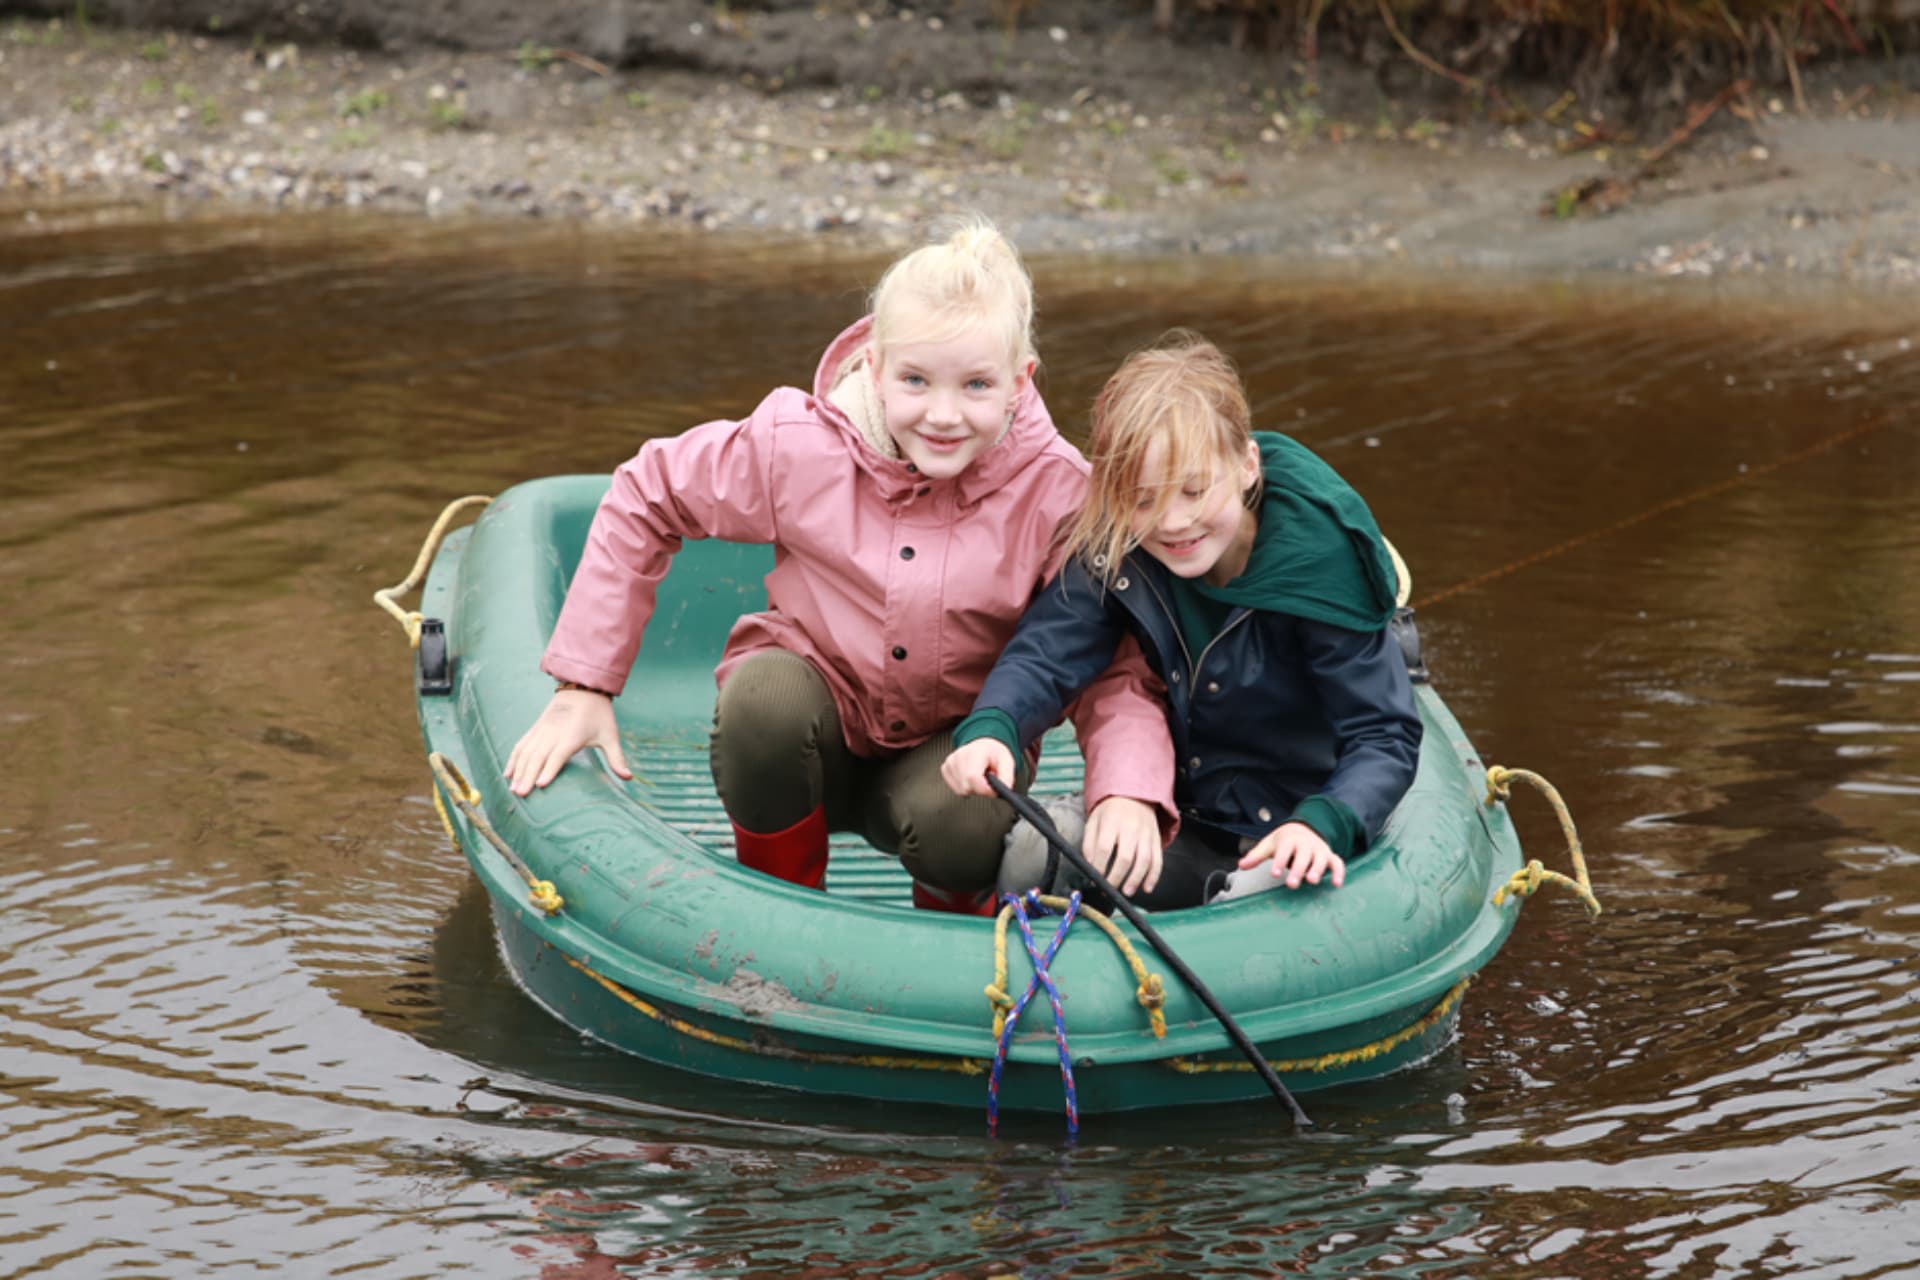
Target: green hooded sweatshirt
(1318,553)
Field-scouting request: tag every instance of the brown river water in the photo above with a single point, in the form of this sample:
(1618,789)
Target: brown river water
(1666,543)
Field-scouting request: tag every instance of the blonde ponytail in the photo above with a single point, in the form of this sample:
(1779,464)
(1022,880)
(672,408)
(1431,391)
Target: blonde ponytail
(971,275)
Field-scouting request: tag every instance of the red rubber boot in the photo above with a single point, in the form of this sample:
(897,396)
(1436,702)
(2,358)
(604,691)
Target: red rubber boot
(797,855)
(957,902)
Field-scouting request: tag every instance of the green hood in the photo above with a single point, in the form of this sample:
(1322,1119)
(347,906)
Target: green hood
(1318,553)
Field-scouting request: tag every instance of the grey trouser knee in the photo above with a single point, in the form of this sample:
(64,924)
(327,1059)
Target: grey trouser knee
(778,753)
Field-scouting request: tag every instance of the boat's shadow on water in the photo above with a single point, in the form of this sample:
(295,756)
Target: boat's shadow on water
(1215,1190)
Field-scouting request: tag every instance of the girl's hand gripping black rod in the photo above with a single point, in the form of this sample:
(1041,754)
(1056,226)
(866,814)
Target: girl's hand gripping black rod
(1037,816)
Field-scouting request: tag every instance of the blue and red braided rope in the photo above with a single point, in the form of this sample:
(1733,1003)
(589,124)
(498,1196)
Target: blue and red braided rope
(1041,977)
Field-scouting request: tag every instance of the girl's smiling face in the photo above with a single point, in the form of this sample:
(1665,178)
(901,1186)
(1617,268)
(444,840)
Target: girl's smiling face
(1197,525)
(948,401)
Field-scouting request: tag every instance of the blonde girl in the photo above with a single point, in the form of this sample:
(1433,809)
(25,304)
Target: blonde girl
(911,498)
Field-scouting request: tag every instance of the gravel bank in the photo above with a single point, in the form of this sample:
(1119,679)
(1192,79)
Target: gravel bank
(1830,192)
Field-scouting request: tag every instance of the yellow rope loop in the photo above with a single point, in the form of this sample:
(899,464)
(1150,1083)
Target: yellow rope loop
(1153,998)
(449,776)
(410,620)
(1002,1005)
(466,798)
(446,820)
(1524,883)
(1527,881)
(1403,576)
(1149,990)
(997,989)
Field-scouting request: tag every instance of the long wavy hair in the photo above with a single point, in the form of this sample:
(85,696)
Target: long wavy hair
(1184,391)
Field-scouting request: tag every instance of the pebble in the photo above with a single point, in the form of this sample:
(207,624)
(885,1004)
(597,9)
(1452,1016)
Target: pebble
(221,121)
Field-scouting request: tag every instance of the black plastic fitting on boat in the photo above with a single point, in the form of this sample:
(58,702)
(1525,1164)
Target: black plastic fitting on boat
(436,671)
(1408,635)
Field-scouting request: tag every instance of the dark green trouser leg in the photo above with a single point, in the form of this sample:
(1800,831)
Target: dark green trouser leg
(778,753)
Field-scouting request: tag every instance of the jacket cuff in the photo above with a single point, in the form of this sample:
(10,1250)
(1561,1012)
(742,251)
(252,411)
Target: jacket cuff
(586,673)
(1135,778)
(1164,810)
(1333,822)
(988,722)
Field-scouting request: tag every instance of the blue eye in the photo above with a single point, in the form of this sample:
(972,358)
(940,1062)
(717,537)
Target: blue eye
(980,384)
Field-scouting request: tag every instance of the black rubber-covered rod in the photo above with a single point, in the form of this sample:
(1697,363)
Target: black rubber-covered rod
(1037,816)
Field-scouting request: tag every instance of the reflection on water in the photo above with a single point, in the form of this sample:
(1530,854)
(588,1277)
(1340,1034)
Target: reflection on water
(253,1014)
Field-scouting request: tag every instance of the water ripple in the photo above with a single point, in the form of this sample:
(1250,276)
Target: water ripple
(252,1012)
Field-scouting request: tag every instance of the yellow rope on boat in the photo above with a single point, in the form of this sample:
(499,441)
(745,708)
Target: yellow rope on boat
(446,821)
(1529,878)
(1148,989)
(1343,1058)
(540,893)
(410,619)
(962,1066)
(1402,576)
(978,1066)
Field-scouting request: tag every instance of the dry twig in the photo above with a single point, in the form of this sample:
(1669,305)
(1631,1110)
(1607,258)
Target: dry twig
(582,60)
(1466,82)
(1605,194)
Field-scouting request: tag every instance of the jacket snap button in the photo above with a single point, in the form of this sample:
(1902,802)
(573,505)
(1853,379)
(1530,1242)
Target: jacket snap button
(1194,763)
(1175,677)
(899,652)
(1099,562)
(906,553)
(1120,585)
(1213,686)
(1266,814)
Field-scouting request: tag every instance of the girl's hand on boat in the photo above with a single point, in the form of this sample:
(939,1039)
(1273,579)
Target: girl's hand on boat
(1123,839)
(574,718)
(966,769)
(1298,853)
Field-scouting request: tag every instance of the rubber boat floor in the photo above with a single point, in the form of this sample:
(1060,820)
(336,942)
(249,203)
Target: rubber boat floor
(678,784)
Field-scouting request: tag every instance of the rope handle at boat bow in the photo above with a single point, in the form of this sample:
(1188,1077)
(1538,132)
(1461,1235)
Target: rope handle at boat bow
(410,620)
(1526,881)
(1148,989)
(466,798)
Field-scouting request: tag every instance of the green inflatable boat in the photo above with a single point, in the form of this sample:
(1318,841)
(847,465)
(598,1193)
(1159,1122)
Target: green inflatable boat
(621,910)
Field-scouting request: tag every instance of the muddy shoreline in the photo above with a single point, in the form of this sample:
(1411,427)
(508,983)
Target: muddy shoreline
(1221,153)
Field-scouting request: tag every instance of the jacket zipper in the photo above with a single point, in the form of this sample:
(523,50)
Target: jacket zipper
(1173,620)
(1232,622)
(1193,664)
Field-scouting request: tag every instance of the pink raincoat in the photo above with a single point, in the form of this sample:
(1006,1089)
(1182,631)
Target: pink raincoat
(901,591)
